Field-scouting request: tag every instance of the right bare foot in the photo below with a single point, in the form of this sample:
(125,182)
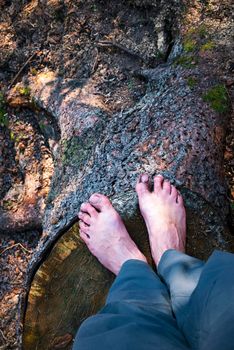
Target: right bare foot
(164,214)
(104,233)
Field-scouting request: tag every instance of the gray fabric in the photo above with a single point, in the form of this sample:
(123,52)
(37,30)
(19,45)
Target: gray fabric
(209,322)
(189,304)
(180,273)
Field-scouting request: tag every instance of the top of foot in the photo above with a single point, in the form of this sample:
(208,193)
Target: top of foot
(164,214)
(104,232)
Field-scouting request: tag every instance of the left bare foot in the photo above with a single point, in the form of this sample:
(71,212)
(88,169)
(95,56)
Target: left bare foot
(104,233)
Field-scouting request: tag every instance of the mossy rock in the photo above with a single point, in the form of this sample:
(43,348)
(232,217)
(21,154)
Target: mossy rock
(217,97)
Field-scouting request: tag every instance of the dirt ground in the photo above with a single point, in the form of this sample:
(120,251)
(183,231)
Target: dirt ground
(16,251)
(103,41)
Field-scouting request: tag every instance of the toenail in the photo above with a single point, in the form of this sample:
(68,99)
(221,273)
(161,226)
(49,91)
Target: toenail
(144,178)
(95,198)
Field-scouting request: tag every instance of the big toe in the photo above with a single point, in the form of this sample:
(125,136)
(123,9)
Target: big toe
(99,201)
(142,185)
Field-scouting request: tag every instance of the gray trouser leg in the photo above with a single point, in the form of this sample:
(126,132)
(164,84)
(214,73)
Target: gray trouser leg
(181,274)
(138,312)
(137,315)
(202,297)
(209,322)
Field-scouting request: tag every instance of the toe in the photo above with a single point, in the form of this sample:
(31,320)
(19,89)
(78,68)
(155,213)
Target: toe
(83,227)
(100,202)
(142,185)
(158,183)
(84,217)
(84,236)
(180,199)
(174,193)
(88,208)
(167,186)
(83,207)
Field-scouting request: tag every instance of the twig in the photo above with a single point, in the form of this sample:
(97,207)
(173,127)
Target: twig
(21,69)
(15,245)
(95,64)
(104,43)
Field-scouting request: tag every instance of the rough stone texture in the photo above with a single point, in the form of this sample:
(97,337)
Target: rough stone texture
(171,131)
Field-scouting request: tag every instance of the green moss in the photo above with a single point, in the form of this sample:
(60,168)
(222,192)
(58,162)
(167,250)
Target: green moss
(3,114)
(208,46)
(197,32)
(24,90)
(12,136)
(192,82)
(202,31)
(186,61)
(190,45)
(33,71)
(7,204)
(76,150)
(217,97)
(42,126)
(191,31)
(22,135)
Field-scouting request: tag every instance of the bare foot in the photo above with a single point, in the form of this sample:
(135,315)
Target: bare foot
(103,230)
(164,214)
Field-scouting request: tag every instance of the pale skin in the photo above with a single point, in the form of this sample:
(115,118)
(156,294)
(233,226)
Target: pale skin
(105,235)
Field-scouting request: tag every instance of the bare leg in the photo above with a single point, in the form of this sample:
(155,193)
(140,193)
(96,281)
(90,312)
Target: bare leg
(104,233)
(164,214)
